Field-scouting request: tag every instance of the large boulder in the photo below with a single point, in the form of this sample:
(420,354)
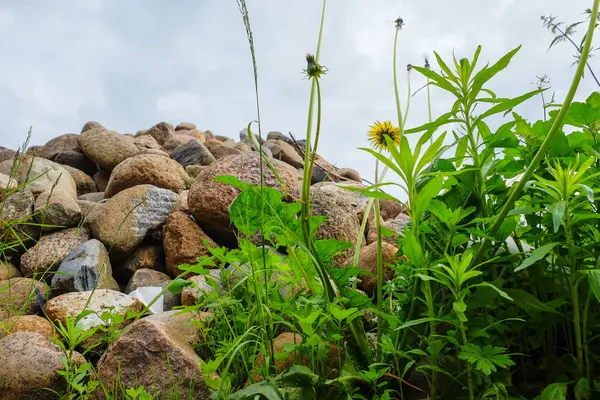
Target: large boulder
(192,153)
(147,169)
(30,362)
(27,323)
(342,222)
(183,242)
(84,183)
(7,185)
(67,142)
(73,304)
(146,142)
(107,148)
(85,268)
(145,256)
(40,174)
(101,179)
(77,160)
(287,154)
(125,219)
(161,132)
(56,209)
(201,286)
(92,125)
(17,211)
(368,261)
(8,271)
(21,296)
(209,200)
(190,324)
(155,356)
(185,126)
(47,254)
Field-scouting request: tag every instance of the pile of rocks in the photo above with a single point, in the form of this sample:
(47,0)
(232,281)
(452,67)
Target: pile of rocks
(100,215)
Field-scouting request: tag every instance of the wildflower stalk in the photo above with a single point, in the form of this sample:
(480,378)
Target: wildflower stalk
(516,191)
(379,266)
(399,24)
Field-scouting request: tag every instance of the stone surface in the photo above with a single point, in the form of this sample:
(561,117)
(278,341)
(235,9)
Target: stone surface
(57,209)
(350,173)
(92,125)
(182,203)
(222,151)
(86,207)
(8,271)
(161,132)
(193,153)
(77,160)
(101,178)
(6,154)
(368,261)
(95,197)
(127,217)
(342,220)
(146,142)
(27,323)
(83,182)
(50,250)
(140,357)
(72,304)
(183,242)
(177,140)
(145,256)
(30,362)
(21,296)
(150,278)
(191,295)
(209,200)
(41,174)
(107,148)
(192,325)
(185,126)
(330,366)
(147,169)
(85,268)
(397,225)
(67,142)
(288,154)
(7,184)
(193,170)
(196,134)
(18,208)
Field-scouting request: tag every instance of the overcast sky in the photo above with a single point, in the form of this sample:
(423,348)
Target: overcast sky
(130,64)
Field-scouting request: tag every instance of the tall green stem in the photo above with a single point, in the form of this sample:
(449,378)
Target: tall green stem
(379,265)
(463,334)
(398,106)
(516,191)
(574,282)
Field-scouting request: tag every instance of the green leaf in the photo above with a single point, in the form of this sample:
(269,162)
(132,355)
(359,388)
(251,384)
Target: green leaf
(507,227)
(176,286)
(497,289)
(582,114)
(529,303)
(419,321)
(486,359)
(257,389)
(506,105)
(594,282)
(426,194)
(558,211)
(231,180)
(488,73)
(555,391)
(536,255)
(582,389)
(412,249)
(442,120)
(438,80)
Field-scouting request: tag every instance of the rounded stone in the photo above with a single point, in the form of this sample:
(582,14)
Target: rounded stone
(149,169)
(27,323)
(40,175)
(84,183)
(150,278)
(209,200)
(107,148)
(368,261)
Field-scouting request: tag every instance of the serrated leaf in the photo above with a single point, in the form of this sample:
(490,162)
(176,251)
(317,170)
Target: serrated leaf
(555,391)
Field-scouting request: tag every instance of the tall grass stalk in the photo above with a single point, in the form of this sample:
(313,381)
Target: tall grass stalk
(267,325)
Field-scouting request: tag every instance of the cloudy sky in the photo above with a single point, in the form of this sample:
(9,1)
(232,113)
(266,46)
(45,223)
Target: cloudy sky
(131,64)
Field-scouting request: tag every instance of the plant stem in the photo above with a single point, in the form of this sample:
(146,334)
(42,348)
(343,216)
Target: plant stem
(574,282)
(379,266)
(432,329)
(398,106)
(516,191)
(463,334)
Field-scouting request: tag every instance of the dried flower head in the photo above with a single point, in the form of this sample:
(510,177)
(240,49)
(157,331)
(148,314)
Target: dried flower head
(314,70)
(379,130)
(399,23)
(427,65)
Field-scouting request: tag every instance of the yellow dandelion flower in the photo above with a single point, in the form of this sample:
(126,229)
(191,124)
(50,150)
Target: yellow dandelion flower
(379,131)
